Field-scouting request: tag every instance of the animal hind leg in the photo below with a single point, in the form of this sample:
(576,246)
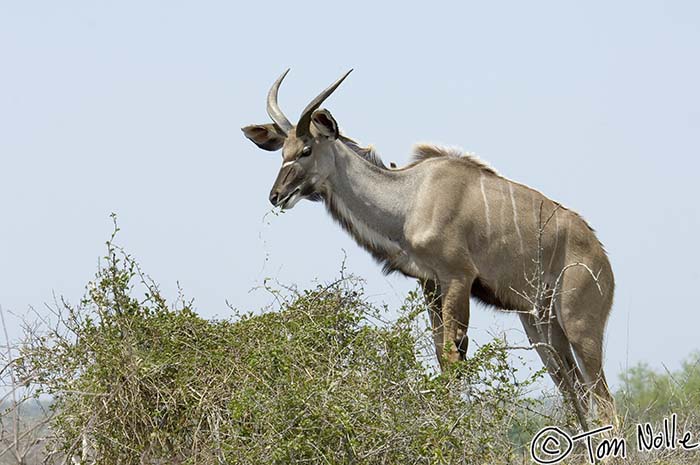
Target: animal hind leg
(589,352)
(563,348)
(560,344)
(583,314)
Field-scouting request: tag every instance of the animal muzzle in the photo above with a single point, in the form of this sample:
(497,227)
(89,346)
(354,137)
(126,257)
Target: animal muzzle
(287,186)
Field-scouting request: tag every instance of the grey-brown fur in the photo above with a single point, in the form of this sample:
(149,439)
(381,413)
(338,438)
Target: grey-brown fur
(423,152)
(368,153)
(461,229)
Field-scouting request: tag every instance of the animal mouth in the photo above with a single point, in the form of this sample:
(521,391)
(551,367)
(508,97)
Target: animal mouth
(291,199)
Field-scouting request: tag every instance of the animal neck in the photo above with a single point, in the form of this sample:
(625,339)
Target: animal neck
(370,202)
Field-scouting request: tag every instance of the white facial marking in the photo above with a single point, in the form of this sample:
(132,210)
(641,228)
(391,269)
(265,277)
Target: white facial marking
(287,163)
(293,200)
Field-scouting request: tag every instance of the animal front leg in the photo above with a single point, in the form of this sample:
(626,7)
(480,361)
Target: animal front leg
(455,314)
(433,299)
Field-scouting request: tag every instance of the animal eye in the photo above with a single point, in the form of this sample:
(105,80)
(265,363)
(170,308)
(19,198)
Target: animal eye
(306,151)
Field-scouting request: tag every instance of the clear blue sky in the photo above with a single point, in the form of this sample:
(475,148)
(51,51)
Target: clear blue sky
(135,108)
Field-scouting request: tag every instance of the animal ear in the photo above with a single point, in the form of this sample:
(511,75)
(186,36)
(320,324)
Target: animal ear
(265,136)
(323,124)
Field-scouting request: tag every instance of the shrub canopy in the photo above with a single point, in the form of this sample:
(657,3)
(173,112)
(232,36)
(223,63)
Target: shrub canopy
(319,380)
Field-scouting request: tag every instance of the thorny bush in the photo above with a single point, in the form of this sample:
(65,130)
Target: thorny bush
(322,379)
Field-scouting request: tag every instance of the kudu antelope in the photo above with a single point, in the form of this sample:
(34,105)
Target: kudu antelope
(460,228)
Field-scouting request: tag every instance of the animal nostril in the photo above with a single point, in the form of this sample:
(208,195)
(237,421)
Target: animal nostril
(273,198)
